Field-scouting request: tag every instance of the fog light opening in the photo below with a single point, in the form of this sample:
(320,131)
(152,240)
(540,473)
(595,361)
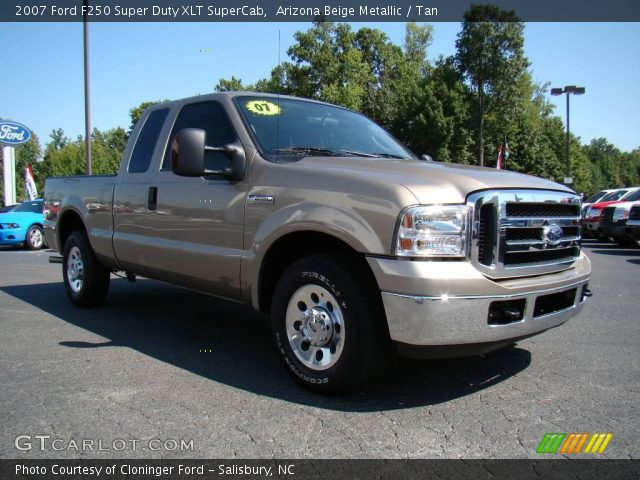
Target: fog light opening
(506,312)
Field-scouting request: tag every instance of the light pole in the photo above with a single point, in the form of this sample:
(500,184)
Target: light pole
(87,95)
(568,90)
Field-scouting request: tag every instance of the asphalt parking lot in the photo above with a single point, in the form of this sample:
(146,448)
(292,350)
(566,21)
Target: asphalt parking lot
(161,363)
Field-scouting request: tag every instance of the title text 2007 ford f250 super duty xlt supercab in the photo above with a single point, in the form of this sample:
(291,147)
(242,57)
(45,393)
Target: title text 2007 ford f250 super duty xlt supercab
(315,215)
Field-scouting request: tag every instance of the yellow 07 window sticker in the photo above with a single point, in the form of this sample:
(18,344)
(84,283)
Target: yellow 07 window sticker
(262,107)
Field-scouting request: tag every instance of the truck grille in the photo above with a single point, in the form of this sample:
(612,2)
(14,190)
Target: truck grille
(634,213)
(607,215)
(529,232)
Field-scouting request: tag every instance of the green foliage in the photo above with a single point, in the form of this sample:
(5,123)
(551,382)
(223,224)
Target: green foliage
(136,112)
(68,158)
(491,57)
(232,85)
(456,109)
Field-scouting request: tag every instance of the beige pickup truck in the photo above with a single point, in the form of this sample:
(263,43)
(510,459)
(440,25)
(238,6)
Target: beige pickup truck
(316,216)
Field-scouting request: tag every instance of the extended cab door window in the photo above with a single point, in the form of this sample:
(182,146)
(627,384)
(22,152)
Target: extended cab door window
(210,117)
(146,141)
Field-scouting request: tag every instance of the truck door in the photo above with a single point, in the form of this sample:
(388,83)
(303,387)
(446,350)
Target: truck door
(197,224)
(131,232)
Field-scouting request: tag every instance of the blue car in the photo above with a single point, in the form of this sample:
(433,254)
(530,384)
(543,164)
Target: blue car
(23,225)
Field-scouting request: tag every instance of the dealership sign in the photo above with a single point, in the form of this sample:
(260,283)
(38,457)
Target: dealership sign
(12,133)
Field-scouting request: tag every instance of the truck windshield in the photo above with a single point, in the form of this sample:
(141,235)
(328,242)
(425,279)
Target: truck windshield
(288,129)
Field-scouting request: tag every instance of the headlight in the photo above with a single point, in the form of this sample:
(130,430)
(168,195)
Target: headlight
(11,225)
(594,212)
(432,231)
(620,214)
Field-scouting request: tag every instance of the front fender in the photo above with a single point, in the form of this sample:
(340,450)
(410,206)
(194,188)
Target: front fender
(341,223)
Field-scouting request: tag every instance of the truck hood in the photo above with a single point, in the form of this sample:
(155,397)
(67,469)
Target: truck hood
(430,182)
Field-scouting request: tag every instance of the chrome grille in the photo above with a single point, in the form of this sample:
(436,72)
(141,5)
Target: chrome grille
(524,232)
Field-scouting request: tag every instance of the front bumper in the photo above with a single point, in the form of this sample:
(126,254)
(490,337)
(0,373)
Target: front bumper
(633,229)
(614,231)
(591,227)
(11,236)
(448,303)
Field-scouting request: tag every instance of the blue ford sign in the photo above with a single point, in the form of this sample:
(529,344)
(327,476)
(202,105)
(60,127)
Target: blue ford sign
(12,133)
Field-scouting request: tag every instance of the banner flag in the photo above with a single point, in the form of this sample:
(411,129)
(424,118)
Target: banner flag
(30,183)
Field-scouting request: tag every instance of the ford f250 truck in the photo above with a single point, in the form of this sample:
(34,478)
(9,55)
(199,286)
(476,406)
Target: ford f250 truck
(316,216)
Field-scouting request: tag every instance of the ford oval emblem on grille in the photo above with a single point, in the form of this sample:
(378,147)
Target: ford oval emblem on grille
(552,234)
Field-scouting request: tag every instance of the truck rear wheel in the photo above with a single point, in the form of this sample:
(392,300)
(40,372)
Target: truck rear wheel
(328,323)
(85,278)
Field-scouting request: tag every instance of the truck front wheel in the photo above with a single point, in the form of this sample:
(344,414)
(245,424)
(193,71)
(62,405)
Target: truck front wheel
(328,323)
(85,278)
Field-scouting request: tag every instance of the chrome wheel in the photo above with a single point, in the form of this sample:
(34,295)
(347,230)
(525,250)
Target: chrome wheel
(75,270)
(35,238)
(315,327)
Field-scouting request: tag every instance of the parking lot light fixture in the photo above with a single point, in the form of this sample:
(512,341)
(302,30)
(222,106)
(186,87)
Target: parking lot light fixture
(568,90)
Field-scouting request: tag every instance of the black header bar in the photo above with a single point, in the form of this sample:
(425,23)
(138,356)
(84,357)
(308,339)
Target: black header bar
(308,10)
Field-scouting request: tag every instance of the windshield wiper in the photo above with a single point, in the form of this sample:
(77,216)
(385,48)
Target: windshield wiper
(324,151)
(389,155)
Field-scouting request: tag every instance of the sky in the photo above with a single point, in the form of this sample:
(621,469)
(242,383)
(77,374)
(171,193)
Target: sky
(42,85)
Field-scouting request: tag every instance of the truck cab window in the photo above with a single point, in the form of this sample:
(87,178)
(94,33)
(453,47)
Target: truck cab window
(146,141)
(210,117)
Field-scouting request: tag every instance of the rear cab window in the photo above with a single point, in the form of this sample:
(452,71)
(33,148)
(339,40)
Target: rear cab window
(146,141)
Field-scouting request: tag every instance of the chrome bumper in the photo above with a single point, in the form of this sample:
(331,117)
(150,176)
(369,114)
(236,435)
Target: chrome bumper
(460,320)
(459,313)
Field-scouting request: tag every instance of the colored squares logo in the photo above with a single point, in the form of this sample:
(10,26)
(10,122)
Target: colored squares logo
(574,443)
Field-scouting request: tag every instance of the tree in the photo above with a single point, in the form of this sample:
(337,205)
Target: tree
(136,112)
(490,54)
(232,85)
(67,158)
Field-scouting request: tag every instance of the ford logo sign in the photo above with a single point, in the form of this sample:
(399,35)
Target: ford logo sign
(552,234)
(12,133)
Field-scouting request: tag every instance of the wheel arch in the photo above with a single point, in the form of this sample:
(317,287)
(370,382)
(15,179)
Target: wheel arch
(291,247)
(69,222)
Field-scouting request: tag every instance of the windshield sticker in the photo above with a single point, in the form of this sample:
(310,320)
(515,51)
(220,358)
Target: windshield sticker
(262,107)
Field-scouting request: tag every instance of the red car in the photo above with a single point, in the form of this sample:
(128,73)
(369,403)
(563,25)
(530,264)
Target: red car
(591,221)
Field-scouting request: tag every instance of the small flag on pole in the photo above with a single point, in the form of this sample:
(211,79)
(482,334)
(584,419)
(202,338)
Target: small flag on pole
(30,183)
(500,154)
(506,152)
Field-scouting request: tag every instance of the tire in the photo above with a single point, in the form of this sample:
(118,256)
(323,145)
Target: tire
(34,239)
(85,278)
(624,242)
(329,325)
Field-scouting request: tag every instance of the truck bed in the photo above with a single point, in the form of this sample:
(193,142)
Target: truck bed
(91,196)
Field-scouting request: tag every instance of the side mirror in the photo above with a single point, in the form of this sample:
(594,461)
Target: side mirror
(188,156)
(187,152)
(426,157)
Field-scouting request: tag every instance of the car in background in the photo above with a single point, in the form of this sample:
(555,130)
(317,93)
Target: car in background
(595,198)
(614,221)
(591,219)
(23,225)
(8,208)
(633,223)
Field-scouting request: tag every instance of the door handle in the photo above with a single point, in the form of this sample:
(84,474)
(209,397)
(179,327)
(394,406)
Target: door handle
(152,198)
